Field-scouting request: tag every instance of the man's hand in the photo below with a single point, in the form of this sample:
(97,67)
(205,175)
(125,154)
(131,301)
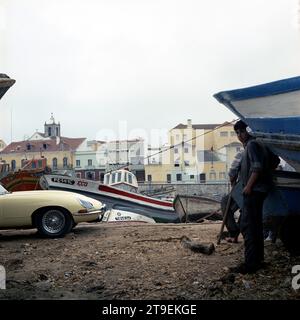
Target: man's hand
(250,184)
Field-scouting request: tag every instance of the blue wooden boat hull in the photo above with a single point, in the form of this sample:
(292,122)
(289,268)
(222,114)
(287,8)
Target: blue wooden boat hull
(5,84)
(272,111)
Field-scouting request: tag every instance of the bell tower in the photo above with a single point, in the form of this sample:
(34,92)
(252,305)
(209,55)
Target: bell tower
(52,129)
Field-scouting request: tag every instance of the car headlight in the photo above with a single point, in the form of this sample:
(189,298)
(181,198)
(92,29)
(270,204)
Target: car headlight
(86,204)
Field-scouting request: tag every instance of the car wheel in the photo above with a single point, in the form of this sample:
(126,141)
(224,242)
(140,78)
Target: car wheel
(54,223)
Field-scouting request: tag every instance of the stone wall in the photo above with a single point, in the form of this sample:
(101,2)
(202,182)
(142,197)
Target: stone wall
(215,190)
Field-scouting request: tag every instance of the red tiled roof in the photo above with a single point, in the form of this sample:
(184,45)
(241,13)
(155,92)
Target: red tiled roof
(66,144)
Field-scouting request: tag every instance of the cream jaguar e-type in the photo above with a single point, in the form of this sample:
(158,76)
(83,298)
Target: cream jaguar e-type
(53,213)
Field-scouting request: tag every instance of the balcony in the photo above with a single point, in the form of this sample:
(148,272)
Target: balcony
(91,167)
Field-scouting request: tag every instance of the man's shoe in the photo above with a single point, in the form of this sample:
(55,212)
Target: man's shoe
(244,269)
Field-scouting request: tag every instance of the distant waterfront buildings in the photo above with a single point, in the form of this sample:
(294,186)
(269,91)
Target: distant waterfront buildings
(194,153)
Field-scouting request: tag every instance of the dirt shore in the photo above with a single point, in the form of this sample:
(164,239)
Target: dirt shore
(137,261)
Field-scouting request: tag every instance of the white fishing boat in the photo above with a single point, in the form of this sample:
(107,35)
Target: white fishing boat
(120,189)
(115,215)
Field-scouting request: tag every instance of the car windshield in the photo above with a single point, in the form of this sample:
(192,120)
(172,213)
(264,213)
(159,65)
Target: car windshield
(3,190)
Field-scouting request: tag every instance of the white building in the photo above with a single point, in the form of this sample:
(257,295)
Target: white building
(97,157)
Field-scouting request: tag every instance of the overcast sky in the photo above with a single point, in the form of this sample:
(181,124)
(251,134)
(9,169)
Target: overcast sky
(137,64)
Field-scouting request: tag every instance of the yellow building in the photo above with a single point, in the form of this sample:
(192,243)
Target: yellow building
(199,153)
(58,151)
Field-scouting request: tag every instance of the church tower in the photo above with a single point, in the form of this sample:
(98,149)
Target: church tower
(52,129)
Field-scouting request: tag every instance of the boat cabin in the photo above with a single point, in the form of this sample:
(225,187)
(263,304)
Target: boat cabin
(121,179)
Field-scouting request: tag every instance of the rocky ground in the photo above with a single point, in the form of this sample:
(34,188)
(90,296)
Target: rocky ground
(137,261)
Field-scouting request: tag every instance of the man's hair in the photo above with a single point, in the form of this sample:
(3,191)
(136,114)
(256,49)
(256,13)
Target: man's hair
(240,125)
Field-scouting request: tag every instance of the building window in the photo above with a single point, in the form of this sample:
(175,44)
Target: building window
(238,149)
(28,146)
(78,175)
(13,164)
(187,163)
(57,132)
(77,163)
(176,164)
(186,150)
(40,163)
(49,132)
(90,162)
(212,175)
(192,177)
(169,178)
(175,150)
(65,162)
(54,163)
(119,177)
(113,177)
(223,134)
(178,177)
(202,177)
(222,176)
(149,177)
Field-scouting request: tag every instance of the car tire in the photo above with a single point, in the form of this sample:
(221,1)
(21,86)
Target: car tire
(54,223)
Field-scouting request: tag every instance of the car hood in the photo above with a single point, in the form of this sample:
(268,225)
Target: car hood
(44,194)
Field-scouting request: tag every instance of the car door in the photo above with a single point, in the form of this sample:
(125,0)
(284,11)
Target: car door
(14,213)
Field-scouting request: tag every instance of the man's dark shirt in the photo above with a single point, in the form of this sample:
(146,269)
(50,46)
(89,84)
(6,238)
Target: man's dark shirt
(255,159)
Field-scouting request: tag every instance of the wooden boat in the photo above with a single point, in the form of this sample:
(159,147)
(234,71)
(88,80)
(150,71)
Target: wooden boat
(272,111)
(116,215)
(26,178)
(197,208)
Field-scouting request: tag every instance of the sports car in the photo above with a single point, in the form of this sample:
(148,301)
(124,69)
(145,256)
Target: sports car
(53,213)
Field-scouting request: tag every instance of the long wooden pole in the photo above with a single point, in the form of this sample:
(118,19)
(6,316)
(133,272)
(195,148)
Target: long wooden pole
(225,215)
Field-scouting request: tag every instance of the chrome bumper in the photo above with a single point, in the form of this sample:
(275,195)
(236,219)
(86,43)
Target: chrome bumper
(88,213)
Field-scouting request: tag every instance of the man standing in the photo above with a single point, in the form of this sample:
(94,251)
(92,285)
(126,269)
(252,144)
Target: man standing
(256,179)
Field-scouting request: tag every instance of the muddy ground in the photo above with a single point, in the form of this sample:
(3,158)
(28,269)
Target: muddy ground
(137,261)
